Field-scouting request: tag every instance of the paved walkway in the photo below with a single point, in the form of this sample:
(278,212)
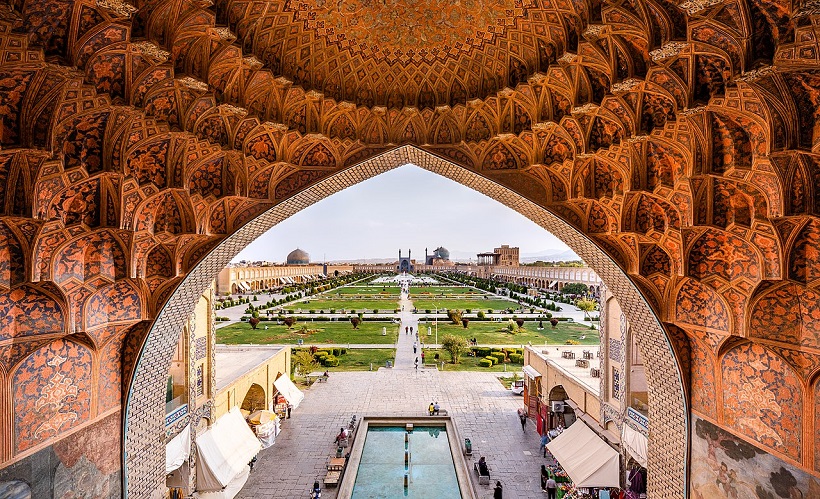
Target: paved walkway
(481,408)
(405,357)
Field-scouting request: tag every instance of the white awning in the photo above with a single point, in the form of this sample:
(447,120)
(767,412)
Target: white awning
(231,490)
(178,450)
(587,459)
(323,276)
(553,283)
(288,390)
(531,372)
(244,285)
(635,443)
(225,449)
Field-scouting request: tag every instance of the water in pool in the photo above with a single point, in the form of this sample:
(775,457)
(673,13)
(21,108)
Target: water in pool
(431,472)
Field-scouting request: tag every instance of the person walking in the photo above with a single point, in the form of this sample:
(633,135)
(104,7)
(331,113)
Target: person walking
(422,356)
(498,491)
(552,488)
(411,329)
(417,363)
(290,408)
(405,330)
(523,417)
(544,441)
(544,477)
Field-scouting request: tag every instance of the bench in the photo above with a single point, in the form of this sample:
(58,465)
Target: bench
(332,478)
(322,379)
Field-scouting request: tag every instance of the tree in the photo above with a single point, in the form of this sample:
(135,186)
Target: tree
(587,306)
(554,322)
(289,321)
(574,288)
(465,323)
(455,316)
(304,362)
(456,346)
(355,321)
(253,321)
(520,323)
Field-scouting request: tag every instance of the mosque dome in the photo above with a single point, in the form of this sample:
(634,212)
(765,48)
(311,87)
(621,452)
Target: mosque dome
(298,257)
(441,252)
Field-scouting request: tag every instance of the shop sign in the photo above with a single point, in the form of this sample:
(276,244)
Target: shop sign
(638,418)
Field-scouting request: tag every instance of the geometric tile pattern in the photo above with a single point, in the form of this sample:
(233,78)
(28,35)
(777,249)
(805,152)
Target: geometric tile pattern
(675,144)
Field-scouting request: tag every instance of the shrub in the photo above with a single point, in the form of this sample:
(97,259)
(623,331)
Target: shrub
(311,311)
(332,310)
(289,321)
(554,322)
(499,356)
(355,321)
(516,358)
(485,363)
(482,351)
(330,361)
(375,310)
(465,323)
(572,342)
(491,359)
(337,352)
(255,298)
(253,321)
(480,314)
(426,310)
(520,323)
(455,346)
(469,311)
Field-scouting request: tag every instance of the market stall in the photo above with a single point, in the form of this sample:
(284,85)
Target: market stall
(224,449)
(265,424)
(586,461)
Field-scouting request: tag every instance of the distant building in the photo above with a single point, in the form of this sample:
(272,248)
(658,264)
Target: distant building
(298,257)
(505,256)
(440,256)
(405,264)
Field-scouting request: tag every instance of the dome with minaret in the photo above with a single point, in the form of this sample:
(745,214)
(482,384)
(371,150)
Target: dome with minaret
(442,253)
(298,257)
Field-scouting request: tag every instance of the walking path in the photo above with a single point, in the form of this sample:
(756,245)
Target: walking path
(405,357)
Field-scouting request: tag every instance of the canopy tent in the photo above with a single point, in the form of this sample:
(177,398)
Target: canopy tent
(225,449)
(178,450)
(531,372)
(635,443)
(288,390)
(587,459)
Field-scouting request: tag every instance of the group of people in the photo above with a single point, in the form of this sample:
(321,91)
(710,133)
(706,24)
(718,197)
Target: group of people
(343,434)
(434,409)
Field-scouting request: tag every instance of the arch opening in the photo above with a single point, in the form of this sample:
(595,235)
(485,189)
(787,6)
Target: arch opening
(143,411)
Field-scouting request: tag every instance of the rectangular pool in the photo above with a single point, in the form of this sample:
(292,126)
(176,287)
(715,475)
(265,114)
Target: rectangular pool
(431,472)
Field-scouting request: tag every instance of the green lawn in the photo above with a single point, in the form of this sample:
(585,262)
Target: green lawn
(364,291)
(474,304)
(359,359)
(466,363)
(444,290)
(326,303)
(495,333)
(341,332)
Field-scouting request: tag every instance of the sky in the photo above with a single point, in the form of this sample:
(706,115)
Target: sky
(406,207)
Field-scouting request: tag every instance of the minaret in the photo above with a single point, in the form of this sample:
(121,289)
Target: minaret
(409,253)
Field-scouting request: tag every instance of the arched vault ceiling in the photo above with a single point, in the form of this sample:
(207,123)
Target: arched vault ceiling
(682,139)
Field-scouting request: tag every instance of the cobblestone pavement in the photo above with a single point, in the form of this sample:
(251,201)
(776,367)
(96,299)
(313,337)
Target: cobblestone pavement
(482,410)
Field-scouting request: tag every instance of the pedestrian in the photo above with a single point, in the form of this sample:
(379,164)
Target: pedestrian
(523,416)
(544,477)
(497,491)
(405,330)
(414,348)
(417,363)
(411,329)
(422,356)
(290,408)
(552,488)
(544,441)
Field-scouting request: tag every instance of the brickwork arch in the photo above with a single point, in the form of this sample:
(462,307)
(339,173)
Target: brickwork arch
(668,409)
